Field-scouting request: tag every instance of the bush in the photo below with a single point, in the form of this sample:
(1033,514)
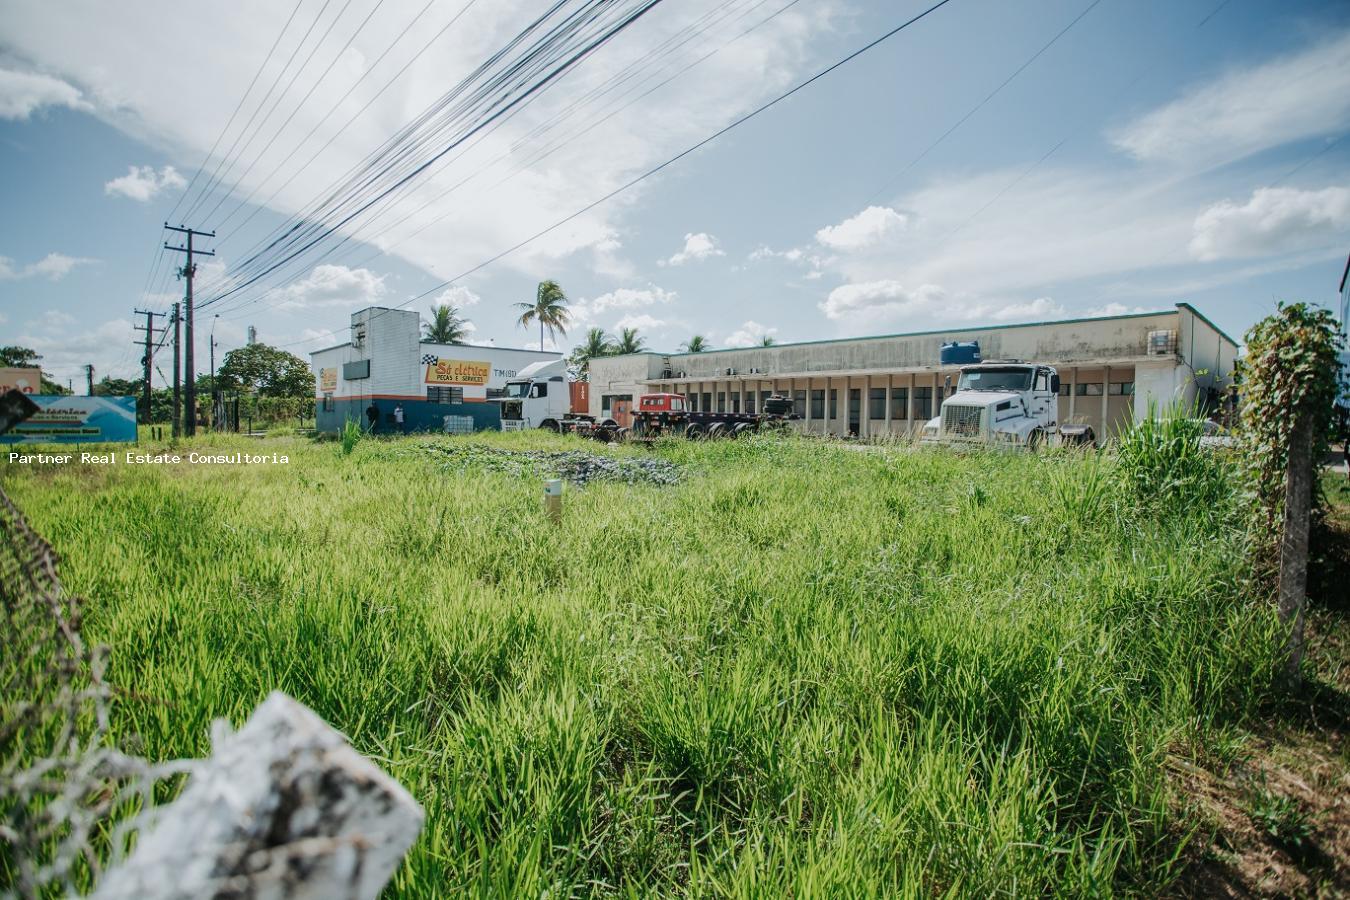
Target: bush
(1162,463)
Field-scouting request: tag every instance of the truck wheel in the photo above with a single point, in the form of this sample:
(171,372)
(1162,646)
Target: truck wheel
(550,425)
(1035,440)
(621,435)
(693,431)
(741,429)
(602,434)
(717,430)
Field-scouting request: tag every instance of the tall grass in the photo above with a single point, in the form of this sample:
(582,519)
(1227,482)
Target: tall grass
(806,670)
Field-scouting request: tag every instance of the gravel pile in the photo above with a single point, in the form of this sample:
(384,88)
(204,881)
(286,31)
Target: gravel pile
(576,466)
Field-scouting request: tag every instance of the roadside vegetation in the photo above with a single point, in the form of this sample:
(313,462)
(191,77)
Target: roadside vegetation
(796,669)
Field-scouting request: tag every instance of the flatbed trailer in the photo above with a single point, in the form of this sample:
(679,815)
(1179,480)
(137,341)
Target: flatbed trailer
(658,415)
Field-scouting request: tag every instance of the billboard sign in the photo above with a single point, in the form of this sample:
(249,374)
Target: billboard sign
(459,372)
(25,381)
(328,380)
(76,420)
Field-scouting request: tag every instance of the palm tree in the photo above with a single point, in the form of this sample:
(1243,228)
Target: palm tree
(596,345)
(696,344)
(767,341)
(629,342)
(446,326)
(549,308)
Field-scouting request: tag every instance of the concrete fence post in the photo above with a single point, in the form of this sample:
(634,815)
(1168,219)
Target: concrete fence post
(1298,488)
(284,809)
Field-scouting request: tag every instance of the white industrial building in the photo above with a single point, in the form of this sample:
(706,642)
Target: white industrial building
(1112,368)
(386,363)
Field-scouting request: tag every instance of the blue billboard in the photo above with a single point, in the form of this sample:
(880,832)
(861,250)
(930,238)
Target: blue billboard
(76,420)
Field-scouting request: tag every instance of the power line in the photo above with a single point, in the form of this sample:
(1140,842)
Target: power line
(677,157)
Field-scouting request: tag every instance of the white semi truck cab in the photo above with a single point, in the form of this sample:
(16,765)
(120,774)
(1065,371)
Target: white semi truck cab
(538,397)
(1001,403)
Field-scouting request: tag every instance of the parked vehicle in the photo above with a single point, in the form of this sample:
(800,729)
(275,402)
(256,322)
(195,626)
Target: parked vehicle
(669,414)
(541,396)
(1011,403)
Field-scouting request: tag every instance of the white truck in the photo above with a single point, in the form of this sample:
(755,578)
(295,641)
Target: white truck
(543,396)
(1009,404)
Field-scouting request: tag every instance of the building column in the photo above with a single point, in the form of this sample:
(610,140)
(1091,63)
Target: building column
(1106,399)
(889,385)
(1073,391)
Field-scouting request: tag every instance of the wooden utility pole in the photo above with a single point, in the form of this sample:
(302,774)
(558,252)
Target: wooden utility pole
(148,360)
(187,272)
(177,405)
(1298,487)
(89,377)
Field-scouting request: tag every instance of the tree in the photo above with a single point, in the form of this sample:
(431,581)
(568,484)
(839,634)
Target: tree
(696,344)
(18,357)
(767,341)
(446,325)
(596,345)
(119,387)
(266,371)
(549,309)
(629,342)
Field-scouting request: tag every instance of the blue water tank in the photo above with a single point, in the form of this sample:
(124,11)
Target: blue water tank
(959,353)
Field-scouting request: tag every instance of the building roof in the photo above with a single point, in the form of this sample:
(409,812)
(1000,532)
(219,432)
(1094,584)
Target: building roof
(957,331)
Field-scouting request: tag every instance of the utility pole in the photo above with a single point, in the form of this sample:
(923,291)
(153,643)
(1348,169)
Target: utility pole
(89,376)
(177,406)
(148,360)
(215,395)
(189,269)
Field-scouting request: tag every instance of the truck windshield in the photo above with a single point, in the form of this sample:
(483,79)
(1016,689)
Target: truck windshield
(995,380)
(516,390)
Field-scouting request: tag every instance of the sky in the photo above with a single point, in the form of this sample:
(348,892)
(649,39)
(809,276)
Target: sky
(994,162)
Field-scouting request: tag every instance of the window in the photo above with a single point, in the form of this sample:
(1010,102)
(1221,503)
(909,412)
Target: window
(750,403)
(764,397)
(899,403)
(923,403)
(834,403)
(706,404)
(799,403)
(445,395)
(496,393)
(854,403)
(988,379)
(607,401)
(818,403)
(721,401)
(693,402)
(1121,389)
(876,403)
(1042,380)
(327,402)
(1089,388)
(1064,388)
(539,389)
(736,401)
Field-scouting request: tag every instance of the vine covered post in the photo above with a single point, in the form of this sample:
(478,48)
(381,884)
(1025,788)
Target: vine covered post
(1288,388)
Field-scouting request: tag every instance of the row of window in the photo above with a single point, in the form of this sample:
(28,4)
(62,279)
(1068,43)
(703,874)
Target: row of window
(1094,389)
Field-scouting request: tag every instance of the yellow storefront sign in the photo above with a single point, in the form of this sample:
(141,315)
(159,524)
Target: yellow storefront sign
(327,380)
(465,373)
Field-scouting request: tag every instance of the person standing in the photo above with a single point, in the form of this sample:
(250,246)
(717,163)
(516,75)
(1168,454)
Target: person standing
(373,414)
(398,418)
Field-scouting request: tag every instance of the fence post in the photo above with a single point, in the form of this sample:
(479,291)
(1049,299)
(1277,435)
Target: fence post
(284,809)
(1298,488)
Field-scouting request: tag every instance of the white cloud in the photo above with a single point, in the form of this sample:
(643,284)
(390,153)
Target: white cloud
(623,298)
(333,286)
(21,93)
(890,302)
(696,247)
(142,183)
(1284,100)
(750,334)
(1274,220)
(53,267)
(640,321)
(65,351)
(459,297)
(874,225)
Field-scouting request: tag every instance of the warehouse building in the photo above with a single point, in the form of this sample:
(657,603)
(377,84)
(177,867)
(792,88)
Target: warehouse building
(386,363)
(1111,370)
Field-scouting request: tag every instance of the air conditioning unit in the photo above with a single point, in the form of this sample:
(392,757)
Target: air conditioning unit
(681,374)
(667,373)
(1162,343)
(731,371)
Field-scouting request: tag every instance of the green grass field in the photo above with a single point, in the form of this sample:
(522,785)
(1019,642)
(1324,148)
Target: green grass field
(805,670)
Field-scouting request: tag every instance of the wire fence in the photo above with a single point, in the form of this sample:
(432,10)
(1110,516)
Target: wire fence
(283,808)
(69,798)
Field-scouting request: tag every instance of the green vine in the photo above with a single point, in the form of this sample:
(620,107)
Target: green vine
(1289,370)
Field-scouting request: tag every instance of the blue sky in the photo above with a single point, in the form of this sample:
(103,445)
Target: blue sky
(1156,152)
